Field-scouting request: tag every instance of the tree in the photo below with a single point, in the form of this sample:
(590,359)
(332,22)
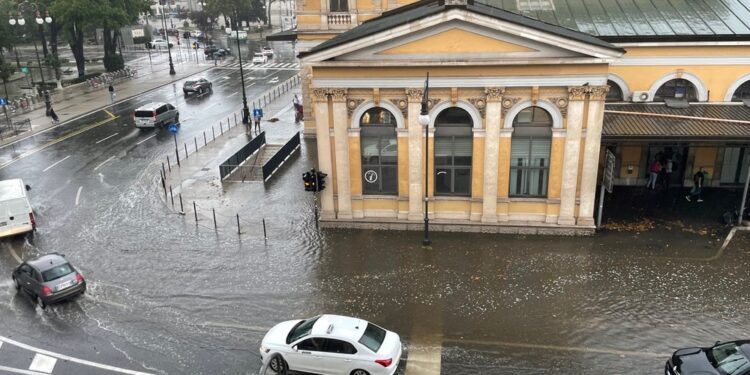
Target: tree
(76,17)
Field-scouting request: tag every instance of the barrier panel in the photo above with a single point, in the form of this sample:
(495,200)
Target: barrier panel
(280,157)
(230,165)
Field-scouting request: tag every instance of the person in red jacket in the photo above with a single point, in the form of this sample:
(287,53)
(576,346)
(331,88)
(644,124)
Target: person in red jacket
(653,170)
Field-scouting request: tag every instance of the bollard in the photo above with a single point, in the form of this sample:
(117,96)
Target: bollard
(213,133)
(238,224)
(264,229)
(213,210)
(316,217)
(177,152)
(186,153)
(229,124)
(235,119)
(164,186)
(221,128)
(204,138)
(163,171)
(182,210)
(264,100)
(171,195)
(196,143)
(169,165)
(195,211)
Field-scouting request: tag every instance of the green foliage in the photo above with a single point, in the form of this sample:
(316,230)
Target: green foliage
(54,61)
(114,62)
(6,70)
(238,10)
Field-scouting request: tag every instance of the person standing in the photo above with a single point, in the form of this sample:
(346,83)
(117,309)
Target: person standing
(697,190)
(112,93)
(257,124)
(653,170)
(668,168)
(55,119)
(47,103)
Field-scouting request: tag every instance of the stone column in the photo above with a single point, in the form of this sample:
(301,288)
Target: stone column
(416,193)
(341,147)
(493,117)
(308,102)
(590,168)
(323,135)
(576,99)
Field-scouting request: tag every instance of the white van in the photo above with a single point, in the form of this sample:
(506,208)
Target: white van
(16,216)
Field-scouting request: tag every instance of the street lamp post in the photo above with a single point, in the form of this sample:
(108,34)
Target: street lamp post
(245,109)
(166,37)
(424,120)
(28,7)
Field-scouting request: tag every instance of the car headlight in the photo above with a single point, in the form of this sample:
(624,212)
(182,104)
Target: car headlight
(264,349)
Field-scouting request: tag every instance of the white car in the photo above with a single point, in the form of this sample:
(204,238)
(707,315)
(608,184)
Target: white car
(160,43)
(331,344)
(259,58)
(268,51)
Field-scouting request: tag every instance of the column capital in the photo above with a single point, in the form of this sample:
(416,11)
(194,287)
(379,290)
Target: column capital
(414,95)
(577,93)
(338,95)
(494,94)
(320,95)
(598,93)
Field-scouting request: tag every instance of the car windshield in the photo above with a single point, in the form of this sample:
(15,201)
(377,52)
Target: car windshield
(57,272)
(373,337)
(190,83)
(728,359)
(301,330)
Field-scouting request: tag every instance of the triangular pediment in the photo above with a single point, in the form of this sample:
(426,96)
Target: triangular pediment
(459,35)
(456,41)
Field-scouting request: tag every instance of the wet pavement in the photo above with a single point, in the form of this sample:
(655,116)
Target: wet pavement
(169,297)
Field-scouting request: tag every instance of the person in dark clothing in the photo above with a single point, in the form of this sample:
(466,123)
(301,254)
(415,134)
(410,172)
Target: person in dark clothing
(697,190)
(111,93)
(47,103)
(52,114)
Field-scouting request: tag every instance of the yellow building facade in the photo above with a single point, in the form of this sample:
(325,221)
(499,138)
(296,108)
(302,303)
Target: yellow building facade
(519,113)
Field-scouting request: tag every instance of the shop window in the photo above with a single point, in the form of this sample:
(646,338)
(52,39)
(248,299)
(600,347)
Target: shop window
(530,153)
(379,152)
(680,89)
(742,92)
(453,150)
(339,5)
(615,92)
(734,167)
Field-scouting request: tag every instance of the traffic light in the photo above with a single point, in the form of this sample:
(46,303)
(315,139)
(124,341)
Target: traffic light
(309,180)
(321,180)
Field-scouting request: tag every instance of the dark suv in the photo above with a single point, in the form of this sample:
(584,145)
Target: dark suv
(49,279)
(723,358)
(199,86)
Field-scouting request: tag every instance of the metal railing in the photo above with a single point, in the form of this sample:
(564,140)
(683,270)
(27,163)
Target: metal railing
(230,165)
(17,127)
(278,159)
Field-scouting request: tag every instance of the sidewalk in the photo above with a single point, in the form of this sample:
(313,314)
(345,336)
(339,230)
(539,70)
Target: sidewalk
(198,182)
(75,101)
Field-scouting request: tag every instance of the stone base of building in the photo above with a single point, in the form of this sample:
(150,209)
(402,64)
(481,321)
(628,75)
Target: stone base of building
(512,227)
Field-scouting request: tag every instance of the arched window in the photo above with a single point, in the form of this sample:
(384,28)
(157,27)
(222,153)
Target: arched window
(453,148)
(742,92)
(615,92)
(677,89)
(379,152)
(530,153)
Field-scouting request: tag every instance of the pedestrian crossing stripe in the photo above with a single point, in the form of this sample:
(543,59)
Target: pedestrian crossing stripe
(264,66)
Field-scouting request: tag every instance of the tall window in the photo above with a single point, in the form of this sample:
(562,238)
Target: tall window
(677,89)
(379,152)
(339,6)
(734,168)
(530,153)
(453,147)
(615,92)
(742,92)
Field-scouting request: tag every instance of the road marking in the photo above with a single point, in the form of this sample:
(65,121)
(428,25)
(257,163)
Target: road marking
(145,139)
(43,363)
(13,253)
(56,163)
(104,162)
(52,143)
(233,94)
(71,359)
(78,195)
(104,139)
(20,371)
(225,78)
(109,113)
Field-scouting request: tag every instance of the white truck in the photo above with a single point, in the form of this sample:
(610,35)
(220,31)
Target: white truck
(16,215)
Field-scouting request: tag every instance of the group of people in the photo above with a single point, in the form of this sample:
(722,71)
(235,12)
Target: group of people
(662,168)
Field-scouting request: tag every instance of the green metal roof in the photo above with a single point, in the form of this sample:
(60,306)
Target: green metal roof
(640,20)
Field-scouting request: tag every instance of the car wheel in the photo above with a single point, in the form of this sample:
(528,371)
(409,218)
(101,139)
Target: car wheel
(360,372)
(16,284)
(177,118)
(40,302)
(278,364)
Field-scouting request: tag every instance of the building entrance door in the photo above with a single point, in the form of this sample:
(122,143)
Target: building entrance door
(673,158)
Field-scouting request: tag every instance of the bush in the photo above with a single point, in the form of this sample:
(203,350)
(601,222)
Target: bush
(114,62)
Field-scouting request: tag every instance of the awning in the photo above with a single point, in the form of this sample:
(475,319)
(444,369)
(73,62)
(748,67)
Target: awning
(283,36)
(702,121)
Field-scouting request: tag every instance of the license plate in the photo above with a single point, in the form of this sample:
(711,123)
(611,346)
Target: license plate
(64,285)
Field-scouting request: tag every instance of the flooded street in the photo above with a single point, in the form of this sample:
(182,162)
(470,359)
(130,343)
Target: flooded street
(169,297)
